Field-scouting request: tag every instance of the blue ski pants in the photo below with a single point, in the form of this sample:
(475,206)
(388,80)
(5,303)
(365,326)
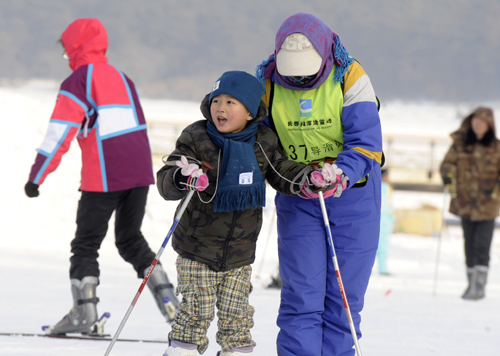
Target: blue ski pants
(312,317)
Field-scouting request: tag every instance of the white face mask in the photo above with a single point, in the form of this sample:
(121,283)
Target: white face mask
(298,57)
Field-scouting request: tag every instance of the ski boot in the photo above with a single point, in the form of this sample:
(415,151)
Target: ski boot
(163,292)
(276,282)
(82,318)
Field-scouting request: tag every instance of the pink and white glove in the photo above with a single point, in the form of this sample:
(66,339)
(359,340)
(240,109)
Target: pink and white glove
(196,179)
(314,183)
(335,177)
(330,179)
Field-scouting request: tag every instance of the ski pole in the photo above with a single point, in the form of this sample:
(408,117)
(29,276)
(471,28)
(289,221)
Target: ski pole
(440,238)
(337,272)
(150,270)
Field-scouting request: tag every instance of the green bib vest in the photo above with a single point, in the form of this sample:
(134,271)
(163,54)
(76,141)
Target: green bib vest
(309,123)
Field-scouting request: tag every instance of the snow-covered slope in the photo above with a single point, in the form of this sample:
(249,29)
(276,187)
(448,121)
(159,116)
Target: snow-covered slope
(403,314)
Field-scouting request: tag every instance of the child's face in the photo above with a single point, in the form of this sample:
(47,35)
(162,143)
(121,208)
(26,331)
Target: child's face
(228,114)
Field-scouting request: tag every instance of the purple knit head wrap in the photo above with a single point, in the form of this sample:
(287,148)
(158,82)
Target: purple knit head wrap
(326,42)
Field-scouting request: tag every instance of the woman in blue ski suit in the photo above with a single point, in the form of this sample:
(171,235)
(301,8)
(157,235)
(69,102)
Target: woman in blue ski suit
(324,109)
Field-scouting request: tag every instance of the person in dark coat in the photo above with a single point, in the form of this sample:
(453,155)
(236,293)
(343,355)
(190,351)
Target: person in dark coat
(471,171)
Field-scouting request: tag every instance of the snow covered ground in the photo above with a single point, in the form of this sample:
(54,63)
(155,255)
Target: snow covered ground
(404,313)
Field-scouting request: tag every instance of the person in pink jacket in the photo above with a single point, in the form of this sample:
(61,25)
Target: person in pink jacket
(98,104)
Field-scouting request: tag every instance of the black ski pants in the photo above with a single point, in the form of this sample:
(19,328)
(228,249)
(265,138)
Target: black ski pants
(93,215)
(477,236)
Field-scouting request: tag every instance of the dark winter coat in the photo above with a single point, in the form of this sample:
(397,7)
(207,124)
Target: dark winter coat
(225,240)
(474,167)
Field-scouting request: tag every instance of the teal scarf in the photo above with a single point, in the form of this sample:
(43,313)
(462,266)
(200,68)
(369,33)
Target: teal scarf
(240,183)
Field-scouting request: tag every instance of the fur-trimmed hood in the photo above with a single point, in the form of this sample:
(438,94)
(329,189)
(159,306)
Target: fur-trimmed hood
(483,113)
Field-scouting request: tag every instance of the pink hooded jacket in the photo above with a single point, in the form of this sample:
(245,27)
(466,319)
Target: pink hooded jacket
(99,105)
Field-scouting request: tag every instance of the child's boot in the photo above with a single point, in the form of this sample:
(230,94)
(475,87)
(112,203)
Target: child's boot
(178,348)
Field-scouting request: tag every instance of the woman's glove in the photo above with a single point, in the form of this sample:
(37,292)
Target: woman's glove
(330,179)
(337,178)
(447,179)
(189,176)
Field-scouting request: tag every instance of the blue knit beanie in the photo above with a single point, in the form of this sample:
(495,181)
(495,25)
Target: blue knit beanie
(242,86)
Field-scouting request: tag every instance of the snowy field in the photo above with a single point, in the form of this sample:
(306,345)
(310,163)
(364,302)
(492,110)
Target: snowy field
(405,315)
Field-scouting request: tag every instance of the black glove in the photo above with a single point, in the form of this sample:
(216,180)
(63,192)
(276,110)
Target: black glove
(31,190)
(447,178)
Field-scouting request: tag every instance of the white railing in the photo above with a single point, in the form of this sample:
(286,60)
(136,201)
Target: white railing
(410,159)
(415,159)
(162,136)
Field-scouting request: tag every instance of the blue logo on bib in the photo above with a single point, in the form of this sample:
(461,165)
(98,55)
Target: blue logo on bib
(305,108)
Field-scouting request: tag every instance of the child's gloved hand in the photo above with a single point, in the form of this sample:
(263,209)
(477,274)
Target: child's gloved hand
(312,185)
(191,176)
(330,179)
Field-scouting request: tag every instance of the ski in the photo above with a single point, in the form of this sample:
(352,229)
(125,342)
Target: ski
(96,334)
(97,329)
(81,337)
